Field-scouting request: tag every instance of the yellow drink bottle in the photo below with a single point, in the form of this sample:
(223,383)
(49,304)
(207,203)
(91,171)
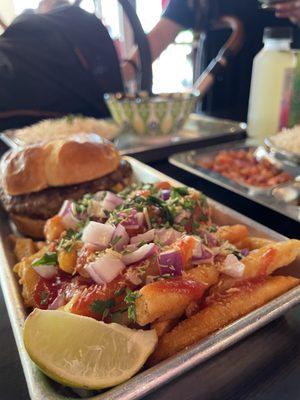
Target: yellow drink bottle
(270,67)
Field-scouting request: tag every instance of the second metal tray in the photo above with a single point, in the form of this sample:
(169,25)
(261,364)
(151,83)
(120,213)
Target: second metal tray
(187,162)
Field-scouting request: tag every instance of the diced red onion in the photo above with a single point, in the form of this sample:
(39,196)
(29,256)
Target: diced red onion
(165,194)
(207,257)
(105,269)
(140,218)
(170,262)
(129,219)
(46,271)
(245,252)
(167,236)
(67,216)
(142,253)
(60,301)
(209,239)
(144,237)
(233,267)
(111,201)
(123,238)
(98,234)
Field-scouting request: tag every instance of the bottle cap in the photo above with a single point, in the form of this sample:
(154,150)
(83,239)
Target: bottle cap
(278,32)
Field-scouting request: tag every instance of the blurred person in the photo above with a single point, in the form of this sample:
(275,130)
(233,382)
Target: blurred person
(229,96)
(48,5)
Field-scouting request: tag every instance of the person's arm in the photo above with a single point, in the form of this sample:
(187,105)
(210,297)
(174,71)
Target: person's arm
(3,24)
(163,34)
(289,9)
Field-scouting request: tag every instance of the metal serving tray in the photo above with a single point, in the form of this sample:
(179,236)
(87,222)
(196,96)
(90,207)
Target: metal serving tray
(187,161)
(40,387)
(199,130)
(283,155)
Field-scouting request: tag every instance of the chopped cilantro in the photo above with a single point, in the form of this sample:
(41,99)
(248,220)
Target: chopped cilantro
(102,306)
(238,254)
(116,317)
(44,297)
(115,240)
(141,243)
(69,240)
(212,229)
(235,252)
(179,191)
(152,200)
(120,291)
(47,259)
(130,299)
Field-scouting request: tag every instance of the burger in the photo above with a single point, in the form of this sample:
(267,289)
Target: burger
(36,180)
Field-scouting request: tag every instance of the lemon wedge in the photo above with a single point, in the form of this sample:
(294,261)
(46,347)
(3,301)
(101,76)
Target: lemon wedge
(82,352)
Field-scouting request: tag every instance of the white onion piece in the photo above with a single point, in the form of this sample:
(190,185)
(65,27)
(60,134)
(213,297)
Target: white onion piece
(233,267)
(123,238)
(133,275)
(207,257)
(60,301)
(144,237)
(131,247)
(46,271)
(99,196)
(111,201)
(95,209)
(105,269)
(68,219)
(140,254)
(198,249)
(98,234)
(167,236)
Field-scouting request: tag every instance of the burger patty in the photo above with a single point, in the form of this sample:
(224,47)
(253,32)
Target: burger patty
(47,202)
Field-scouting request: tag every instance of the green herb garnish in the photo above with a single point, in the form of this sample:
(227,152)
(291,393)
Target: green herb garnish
(44,297)
(179,192)
(102,307)
(115,240)
(47,259)
(130,299)
(69,240)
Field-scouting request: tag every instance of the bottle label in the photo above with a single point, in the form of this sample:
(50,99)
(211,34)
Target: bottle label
(286,97)
(290,103)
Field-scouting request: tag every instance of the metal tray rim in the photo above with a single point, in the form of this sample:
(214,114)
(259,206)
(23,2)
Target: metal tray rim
(151,379)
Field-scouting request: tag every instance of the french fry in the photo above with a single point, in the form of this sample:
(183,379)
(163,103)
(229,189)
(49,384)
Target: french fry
(220,312)
(67,260)
(269,258)
(207,274)
(53,228)
(28,277)
(163,327)
(253,243)
(166,299)
(23,247)
(233,234)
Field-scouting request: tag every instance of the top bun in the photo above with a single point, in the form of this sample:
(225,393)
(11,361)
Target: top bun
(78,159)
